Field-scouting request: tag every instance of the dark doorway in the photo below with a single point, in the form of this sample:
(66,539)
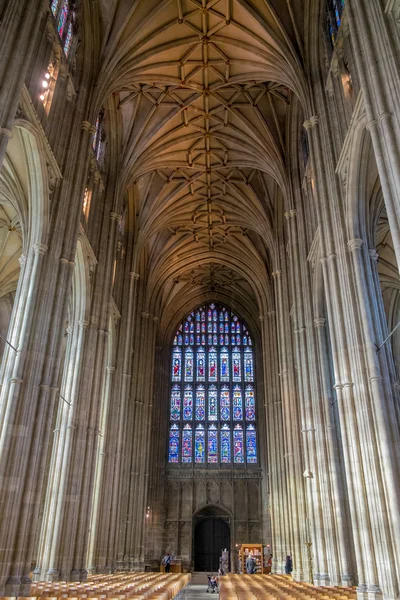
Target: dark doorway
(211,536)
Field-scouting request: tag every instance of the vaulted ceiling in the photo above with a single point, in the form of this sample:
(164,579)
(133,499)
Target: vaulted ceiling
(204,89)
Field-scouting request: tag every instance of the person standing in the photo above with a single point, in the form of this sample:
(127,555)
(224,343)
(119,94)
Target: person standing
(269,564)
(288,565)
(167,563)
(250,564)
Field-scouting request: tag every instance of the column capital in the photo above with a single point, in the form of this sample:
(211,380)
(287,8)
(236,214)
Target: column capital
(86,126)
(276,274)
(373,254)
(355,244)
(145,315)
(311,122)
(271,313)
(290,213)
(115,216)
(319,321)
(5,131)
(133,275)
(40,248)
(83,323)
(22,260)
(110,369)
(155,319)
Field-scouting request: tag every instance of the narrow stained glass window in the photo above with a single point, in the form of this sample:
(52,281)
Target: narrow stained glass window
(238,451)
(199,444)
(189,365)
(225,444)
(248,365)
(173,444)
(200,403)
(68,40)
(212,444)
(188,403)
(62,21)
(250,404)
(224,374)
(176,365)
(201,366)
(237,403)
(251,444)
(236,365)
(225,404)
(212,365)
(54,7)
(175,403)
(187,444)
(212,403)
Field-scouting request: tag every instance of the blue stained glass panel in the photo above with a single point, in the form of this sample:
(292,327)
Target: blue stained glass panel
(251,444)
(191,326)
(221,340)
(188,403)
(198,316)
(226,327)
(198,340)
(199,444)
(175,403)
(191,339)
(236,365)
(212,403)
(225,444)
(198,327)
(203,340)
(186,327)
(176,340)
(250,403)
(187,444)
(203,316)
(215,339)
(173,454)
(244,340)
(189,365)
(233,339)
(209,315)
(200,366)
(233,327)
(176,365)
(248,365)
(212,444)
(212,365)
(209,327)
(238,453)
(224,365)
(200,403)
(238,327)
(237,404)
(215,315)
(186,339)
(224,404)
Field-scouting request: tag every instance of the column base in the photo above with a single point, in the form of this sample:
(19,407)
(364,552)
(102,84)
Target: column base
(18,586)
(369,592)
(53,575)
(347,581)
(322,579)
(37,573)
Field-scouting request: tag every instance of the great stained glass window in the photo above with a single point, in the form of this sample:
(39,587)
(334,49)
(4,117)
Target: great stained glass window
(212,394)
(64,14)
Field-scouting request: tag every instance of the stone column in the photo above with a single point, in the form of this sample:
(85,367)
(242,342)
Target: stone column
(293,450)
(382,441)
(19,28)
(278,506)
(121,418)
(100,483)
(309,408)
(60,461)
(341,552)
(375,57)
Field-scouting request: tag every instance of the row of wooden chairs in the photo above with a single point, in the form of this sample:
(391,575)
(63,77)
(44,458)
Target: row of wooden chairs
(132,586)
(278,587)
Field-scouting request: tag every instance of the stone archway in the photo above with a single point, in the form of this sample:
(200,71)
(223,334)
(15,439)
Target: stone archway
(211,535)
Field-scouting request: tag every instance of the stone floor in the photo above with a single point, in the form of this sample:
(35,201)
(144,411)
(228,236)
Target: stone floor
(199,592)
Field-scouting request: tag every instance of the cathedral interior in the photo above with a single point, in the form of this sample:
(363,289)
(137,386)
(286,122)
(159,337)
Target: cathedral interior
(199,288)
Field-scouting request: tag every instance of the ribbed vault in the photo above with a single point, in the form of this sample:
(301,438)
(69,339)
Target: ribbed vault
(204,89)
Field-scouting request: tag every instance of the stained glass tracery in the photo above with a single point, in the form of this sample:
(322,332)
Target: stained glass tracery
(212,397)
